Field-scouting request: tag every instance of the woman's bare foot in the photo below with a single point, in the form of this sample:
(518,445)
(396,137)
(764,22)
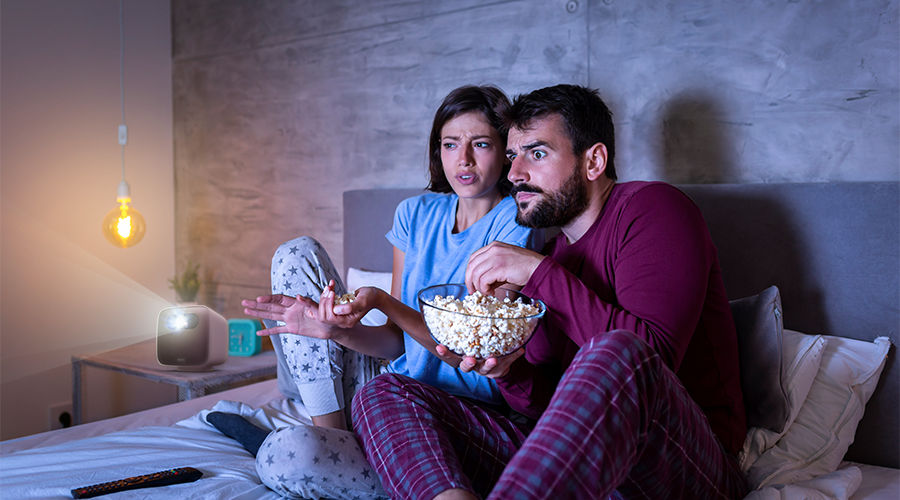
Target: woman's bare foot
(334,420)
(455,494)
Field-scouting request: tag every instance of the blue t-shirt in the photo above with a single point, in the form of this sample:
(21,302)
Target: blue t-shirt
(423,230)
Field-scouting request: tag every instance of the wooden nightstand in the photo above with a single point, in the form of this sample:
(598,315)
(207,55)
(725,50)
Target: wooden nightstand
(140,360)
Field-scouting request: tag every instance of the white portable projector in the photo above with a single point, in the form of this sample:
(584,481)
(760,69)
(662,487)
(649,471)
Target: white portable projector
(191,337)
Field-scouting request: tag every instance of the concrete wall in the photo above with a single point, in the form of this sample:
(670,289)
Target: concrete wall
(65,289)
(281,106)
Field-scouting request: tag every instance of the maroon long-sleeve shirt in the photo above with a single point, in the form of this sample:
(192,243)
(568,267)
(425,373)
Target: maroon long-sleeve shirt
(647,265)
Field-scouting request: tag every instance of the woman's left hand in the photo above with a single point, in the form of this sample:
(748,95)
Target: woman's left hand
(349,314)
(493,367)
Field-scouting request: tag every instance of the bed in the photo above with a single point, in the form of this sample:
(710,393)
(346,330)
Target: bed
(832,249)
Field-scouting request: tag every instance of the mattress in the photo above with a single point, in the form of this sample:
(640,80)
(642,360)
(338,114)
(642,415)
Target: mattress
(49,465)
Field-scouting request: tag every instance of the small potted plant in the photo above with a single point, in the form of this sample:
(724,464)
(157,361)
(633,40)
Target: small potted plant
(186,284)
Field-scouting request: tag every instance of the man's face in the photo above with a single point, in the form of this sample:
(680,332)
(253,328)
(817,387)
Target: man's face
(549,182)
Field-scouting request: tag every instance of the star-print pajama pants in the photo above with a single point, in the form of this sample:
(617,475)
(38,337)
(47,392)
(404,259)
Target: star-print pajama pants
(620,425)
(305,461)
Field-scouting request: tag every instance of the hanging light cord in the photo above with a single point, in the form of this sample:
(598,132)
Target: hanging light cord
(123,130)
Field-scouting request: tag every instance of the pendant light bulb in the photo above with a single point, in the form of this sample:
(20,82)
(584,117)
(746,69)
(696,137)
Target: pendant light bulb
(124,226)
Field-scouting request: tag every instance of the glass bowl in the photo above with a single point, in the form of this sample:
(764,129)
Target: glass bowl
(481,334)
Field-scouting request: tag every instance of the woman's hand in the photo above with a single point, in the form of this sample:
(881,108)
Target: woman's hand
(299,315)
(348,315)
(491,367)
(303,316)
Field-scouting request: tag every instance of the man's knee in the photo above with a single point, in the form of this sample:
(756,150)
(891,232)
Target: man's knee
(616,340)
(617,346)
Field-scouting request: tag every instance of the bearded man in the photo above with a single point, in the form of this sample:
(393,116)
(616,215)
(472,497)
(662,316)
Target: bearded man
(630,384)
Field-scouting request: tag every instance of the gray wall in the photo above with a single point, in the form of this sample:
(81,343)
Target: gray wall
(281,106)
(60,165)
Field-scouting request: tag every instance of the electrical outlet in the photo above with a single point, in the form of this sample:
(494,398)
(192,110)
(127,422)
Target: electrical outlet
(59,416)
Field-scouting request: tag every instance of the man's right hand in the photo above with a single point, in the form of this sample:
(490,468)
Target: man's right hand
(499,264)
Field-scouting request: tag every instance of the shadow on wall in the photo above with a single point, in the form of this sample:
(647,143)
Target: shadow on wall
(743,222)
(695,146)
(697,149)
(831,248)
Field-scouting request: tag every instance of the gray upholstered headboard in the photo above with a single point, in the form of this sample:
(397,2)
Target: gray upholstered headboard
(833,249)
(368,216)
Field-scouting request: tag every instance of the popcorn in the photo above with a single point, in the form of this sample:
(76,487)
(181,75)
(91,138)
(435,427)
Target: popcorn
(487,327)
(345,299)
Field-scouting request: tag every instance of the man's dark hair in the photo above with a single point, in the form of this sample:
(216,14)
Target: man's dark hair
(491,102)
(588,120)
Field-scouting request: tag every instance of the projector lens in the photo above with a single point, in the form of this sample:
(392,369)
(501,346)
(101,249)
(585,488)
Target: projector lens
(182,321)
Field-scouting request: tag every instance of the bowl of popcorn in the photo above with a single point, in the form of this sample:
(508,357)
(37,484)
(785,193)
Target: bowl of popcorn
(479,325)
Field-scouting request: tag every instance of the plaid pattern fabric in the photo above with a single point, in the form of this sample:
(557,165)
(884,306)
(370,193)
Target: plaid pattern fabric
(621,420)
(422,441)
(620,425)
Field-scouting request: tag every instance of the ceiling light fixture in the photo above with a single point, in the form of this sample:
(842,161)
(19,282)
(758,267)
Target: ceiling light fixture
(123,226)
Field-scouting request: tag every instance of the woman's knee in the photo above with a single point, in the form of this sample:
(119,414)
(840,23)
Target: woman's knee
(388,390)
(301,266)
(295,248)
(378,388)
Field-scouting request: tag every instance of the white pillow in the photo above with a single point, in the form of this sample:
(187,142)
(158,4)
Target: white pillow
(358,278)
(815,443)
(802,356)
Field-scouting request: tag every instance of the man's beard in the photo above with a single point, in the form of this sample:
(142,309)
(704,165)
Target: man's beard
(557,208)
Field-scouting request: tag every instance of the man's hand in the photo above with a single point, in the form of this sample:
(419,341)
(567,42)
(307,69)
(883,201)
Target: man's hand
(499,264)
(490,367)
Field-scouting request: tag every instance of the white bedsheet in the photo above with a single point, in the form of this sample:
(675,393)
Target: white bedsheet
(49,465)
(52,470)
(852,481)
(258,395)
(878,483)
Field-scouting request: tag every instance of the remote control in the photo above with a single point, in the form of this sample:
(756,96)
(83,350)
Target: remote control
(161,478)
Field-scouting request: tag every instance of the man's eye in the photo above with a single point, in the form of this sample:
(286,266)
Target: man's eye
(538,154)
(511,156)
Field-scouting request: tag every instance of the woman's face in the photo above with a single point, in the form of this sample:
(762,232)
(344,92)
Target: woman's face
(472,155)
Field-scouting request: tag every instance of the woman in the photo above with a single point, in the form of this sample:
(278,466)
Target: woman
(433,235)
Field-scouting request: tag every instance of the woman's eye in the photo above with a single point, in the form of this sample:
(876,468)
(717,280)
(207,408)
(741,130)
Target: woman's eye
(538,154)
(482,144)
(449,145)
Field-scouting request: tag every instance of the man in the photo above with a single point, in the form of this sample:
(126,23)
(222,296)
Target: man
(632,375)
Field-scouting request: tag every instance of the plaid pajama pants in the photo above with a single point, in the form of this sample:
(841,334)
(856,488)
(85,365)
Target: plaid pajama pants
(620,425)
